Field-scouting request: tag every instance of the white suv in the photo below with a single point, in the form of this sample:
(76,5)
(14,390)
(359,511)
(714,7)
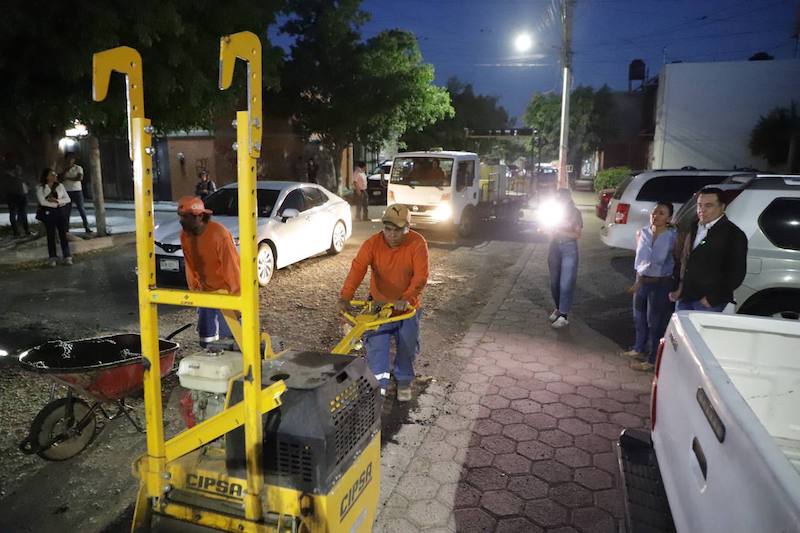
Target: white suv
(767,209)
(629,208)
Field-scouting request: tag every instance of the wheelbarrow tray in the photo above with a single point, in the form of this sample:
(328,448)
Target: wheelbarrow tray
(105,368)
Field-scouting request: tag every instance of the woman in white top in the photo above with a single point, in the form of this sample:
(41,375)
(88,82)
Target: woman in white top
(654,264)
(55,202)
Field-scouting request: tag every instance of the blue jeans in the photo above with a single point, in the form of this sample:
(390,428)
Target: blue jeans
(562,260)
(651,310)
(211,325)
(76,198)
(695,305)
(406,337)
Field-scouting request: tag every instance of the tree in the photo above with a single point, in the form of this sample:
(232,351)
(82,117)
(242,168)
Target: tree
(471,111)
(47,52)
(772,135)
(346,90)
(591,121)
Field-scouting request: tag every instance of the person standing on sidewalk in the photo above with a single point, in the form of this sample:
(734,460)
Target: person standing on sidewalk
(312,169)
(360,191)
(654,265)
(54,209)
(72,178)
(204,185)
(562,257)
(397,258)
(16,196)
(714,259)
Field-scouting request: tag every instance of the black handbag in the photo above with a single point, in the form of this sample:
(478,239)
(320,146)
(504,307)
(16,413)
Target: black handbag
(40,213)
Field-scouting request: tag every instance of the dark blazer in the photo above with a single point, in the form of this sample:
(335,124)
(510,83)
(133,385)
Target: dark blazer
(717,266)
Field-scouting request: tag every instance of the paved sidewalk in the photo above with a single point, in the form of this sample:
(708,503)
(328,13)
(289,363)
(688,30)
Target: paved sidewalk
(524,441)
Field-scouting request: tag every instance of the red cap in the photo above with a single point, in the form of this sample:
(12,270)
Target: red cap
(193,205)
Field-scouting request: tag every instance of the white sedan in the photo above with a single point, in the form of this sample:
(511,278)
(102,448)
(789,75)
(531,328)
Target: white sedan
(295,221)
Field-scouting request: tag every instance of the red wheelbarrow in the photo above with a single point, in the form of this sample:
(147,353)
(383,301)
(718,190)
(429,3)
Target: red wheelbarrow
(105,369)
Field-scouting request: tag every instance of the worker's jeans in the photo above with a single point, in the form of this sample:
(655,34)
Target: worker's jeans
(362,205)
(562,261)
(211,326)
(406,336)
(651,310)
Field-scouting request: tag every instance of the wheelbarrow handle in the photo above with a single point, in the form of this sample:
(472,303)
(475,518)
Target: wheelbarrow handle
(180,329)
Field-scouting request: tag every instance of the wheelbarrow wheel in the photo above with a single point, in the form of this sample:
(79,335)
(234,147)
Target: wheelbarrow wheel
(54,425)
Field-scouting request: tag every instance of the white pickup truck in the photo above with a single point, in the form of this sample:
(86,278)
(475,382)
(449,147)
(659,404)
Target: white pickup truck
(725,439)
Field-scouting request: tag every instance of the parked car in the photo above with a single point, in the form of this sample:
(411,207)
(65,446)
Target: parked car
(378,182)
(603,198)
(295,221)
(767,209)
(634,198)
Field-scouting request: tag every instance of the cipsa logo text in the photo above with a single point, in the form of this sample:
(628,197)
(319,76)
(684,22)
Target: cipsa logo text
(351,497)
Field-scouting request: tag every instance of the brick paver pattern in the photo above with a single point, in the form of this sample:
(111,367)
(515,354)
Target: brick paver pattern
(524,441)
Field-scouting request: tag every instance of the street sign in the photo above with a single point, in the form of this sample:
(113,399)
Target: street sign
(483,133)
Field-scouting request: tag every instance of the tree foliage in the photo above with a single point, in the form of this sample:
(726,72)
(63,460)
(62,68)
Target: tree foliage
(47,52)
(591,121)
(773,133)
(347,90)
(609,178)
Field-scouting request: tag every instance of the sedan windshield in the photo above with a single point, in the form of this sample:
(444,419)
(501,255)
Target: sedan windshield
(225,202)
(422,171)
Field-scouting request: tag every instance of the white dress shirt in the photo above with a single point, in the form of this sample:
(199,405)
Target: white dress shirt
(702,231)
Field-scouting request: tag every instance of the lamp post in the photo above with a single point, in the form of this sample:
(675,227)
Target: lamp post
(523,42)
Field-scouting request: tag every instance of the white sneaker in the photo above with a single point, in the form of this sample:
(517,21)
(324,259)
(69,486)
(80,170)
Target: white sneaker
(68,260)
(555,314)
(560,322)
(52,262)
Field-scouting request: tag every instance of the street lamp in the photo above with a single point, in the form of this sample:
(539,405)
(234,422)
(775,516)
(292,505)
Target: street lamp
(523,42)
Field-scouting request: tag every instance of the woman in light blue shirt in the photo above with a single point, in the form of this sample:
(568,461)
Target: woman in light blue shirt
(654,264)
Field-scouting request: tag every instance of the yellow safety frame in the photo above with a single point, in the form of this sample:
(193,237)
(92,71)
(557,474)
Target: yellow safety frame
(152,467)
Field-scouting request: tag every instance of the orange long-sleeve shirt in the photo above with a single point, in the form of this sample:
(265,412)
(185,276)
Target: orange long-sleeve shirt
(395,273)
(211,258)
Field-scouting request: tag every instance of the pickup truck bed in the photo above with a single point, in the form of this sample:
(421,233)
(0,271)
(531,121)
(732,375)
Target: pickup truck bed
(726,435)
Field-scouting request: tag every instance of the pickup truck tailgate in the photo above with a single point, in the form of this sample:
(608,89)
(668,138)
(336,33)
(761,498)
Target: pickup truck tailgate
(721,468)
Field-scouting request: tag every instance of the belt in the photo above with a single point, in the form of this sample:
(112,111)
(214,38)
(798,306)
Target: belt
(655,279)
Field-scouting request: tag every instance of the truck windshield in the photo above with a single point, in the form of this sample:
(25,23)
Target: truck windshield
(422,171)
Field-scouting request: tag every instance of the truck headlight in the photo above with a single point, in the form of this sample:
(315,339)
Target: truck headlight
(442,212)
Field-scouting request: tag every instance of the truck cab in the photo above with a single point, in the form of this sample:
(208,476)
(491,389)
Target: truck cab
(450,189)
(437,186)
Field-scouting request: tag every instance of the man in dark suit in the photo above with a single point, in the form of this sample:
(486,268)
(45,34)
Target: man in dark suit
(714,259)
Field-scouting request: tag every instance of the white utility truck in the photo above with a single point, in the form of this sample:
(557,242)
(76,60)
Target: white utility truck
(454,189)
(725,439)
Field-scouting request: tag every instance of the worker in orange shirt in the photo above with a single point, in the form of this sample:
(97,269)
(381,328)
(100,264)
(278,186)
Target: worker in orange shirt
(398,262)
(212,263)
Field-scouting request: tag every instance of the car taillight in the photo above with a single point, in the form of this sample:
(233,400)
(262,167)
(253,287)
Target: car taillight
(390,196)
(654,387)
(621,216)
(446,197)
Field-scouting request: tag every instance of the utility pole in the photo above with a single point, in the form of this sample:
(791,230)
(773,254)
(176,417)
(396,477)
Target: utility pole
(566,63)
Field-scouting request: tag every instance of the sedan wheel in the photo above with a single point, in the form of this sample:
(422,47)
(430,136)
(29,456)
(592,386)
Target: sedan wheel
(338,238)
(265,264)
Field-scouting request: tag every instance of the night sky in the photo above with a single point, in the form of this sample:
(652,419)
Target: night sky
(473,39)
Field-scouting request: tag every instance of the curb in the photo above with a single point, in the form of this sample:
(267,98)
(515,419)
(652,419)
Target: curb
(38,253)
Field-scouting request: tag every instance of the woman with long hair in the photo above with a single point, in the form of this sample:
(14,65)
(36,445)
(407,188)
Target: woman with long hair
(562,259)
(654,265)
(54,205)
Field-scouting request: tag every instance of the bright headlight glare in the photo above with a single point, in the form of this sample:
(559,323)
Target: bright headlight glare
(442,212)
(550,213)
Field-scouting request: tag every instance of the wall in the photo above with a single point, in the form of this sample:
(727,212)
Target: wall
(198,153)
(706,111)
